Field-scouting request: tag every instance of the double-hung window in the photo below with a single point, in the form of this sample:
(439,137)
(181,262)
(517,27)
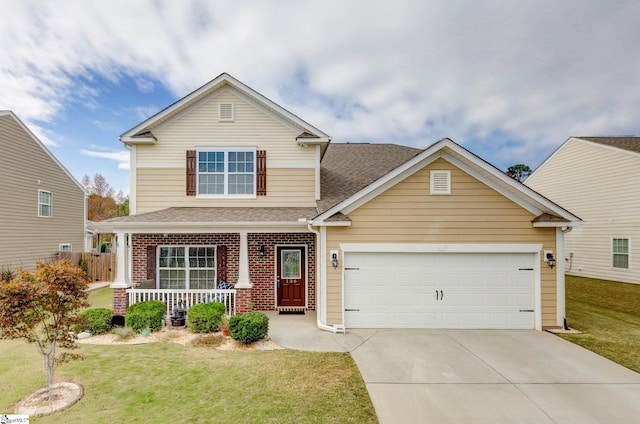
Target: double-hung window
(230,172)
(45,203)
(620,251)
(187,267)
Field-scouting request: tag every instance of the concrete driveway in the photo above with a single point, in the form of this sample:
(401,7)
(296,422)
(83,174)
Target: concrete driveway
(477,376)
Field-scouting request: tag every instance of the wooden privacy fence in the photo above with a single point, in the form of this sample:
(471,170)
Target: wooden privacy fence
(100,266)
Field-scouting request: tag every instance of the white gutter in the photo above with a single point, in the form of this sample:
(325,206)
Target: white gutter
(319,278)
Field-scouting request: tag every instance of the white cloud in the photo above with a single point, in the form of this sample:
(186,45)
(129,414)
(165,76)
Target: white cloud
(532,72)
(121,157)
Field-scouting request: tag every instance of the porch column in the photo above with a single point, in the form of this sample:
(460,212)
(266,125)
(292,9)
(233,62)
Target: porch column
(120,283)
(243,269)
(121,265)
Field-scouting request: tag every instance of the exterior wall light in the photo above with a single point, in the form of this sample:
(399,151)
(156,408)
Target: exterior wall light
(334,260)
(261,251)
(550,260)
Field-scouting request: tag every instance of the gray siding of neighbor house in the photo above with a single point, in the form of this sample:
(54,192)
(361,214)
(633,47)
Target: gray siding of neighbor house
(28,167)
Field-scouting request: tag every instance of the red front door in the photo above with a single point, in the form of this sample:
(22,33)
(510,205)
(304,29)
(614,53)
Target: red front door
(291,276)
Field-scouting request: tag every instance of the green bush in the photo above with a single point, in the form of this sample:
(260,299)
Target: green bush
(205,317)
(97,320)
(145,315)
(250,327)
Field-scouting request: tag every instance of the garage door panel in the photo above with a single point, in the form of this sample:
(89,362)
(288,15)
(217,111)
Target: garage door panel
(420,290)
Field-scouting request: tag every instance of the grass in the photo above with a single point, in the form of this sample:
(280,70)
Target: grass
(101,298)
(168,382)
(608,314)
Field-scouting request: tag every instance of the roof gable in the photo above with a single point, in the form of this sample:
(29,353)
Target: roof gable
(7,114)
(469,163)
(143,132)
(631,144)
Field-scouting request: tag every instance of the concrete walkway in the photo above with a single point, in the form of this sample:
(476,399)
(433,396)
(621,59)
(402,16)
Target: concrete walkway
(98,285)
(475,376)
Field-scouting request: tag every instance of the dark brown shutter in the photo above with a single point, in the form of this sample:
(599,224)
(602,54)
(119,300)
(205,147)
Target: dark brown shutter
(221,266)
(261,172)
(192,167)
(151,262)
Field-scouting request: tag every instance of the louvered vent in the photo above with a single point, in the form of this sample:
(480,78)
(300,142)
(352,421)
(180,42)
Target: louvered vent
(225,111)
(440,182)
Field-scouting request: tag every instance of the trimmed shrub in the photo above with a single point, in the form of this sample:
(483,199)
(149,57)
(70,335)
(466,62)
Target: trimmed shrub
(250,327)
(205,317)
(145,315)
(98,320)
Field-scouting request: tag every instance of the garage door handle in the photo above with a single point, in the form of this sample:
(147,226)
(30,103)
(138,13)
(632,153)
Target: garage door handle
(526,310)
(352,310)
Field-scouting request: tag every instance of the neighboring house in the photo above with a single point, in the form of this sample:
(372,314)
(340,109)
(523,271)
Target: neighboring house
(596,178)
(227,185)
(42,207)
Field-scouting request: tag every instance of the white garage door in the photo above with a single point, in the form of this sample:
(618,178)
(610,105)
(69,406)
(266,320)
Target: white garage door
(439,290)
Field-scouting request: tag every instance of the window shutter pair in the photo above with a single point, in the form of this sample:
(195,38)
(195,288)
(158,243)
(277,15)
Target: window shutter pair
(261,172)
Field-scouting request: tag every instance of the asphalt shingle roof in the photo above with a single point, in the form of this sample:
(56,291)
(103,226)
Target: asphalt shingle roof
(205,214)
(347,168)
(627,143)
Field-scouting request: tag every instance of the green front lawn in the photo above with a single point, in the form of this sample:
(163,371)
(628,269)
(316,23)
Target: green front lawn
(101,298)
(168,382)
(608,314)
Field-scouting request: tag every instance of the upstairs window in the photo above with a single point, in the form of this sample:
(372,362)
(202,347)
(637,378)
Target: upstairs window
(45,203)
(440,182)
(620,249)
(226,172)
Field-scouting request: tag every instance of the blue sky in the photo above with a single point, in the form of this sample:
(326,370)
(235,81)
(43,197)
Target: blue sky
(510,81)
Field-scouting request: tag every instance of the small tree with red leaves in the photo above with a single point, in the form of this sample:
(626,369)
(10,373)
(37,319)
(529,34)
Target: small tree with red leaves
(42,308)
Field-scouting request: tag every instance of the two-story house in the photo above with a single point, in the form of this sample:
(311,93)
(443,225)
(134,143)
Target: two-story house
(42,207)
(228,186)
(595,177)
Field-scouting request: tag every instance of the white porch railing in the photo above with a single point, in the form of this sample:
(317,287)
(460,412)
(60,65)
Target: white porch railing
(189,298)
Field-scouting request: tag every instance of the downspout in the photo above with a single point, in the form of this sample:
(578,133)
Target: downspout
(319,276)
(561,279)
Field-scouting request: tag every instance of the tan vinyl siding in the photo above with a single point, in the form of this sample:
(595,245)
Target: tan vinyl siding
(597,184)
(161,168)
(160,188)
(25,237)
(473,213)
(199,127)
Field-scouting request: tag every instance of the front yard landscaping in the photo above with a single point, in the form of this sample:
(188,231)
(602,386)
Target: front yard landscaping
(168,382)
(608,314)
(194,383)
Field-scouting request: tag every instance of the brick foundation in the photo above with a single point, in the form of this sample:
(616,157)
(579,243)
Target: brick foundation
(120,301)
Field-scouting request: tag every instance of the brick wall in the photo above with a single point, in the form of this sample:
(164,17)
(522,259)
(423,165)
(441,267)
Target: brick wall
(141,241)
(262,269)
(120,301)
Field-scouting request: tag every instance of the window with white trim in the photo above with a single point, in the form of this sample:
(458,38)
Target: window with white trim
(227,172)
(65,247)
(620,252)
(45,203)
(440,182)
(187,267)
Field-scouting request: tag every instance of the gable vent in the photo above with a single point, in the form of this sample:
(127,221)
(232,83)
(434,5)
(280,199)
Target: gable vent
(440,182)
(225,112)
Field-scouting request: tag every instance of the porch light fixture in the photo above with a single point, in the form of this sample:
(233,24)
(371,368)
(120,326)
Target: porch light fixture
(551,260)
(261,251)
(334,260)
